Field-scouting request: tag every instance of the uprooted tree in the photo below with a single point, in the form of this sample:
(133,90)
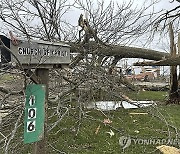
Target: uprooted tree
(105,38)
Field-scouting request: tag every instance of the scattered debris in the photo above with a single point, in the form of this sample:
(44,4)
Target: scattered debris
(134,120)
(117,105)
(107,121)
(111,133)
(97,129)
(138,113)
(136,131)
(168,149)
(127,98)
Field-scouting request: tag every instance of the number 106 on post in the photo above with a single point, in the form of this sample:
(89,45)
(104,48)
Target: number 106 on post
(34,113)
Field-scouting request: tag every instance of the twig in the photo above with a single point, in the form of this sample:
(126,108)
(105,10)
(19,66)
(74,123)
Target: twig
(4,138)
(13,132)
(56,149)
(56,123)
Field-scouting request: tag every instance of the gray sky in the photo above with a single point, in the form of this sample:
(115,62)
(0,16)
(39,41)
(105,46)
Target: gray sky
(73,15)
(165,5)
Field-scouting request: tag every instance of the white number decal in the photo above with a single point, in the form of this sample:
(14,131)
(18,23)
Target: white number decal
(31,100)
(31,125)
(31,113)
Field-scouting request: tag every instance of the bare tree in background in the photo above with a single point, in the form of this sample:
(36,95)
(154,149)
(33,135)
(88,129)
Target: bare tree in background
(92,75)
(170,16)
(173,96)
(168,23)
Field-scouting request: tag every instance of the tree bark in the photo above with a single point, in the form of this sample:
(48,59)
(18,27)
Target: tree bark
(173,61)
(173,93)
(111,50)
(132,52)
(179,56)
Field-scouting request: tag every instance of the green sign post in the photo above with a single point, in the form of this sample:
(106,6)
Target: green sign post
(34,113)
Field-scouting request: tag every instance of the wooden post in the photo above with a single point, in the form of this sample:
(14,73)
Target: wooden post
(41,146)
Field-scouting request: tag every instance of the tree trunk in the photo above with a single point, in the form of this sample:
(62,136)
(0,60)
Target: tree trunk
(121,51)
(172,61)
(173,93)
(179,56)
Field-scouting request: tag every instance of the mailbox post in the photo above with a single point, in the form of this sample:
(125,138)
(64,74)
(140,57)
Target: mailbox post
(41,146)
(41,56)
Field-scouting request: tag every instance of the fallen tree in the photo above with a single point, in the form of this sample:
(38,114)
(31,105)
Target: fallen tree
(171,61)
(120,51)
(99,47)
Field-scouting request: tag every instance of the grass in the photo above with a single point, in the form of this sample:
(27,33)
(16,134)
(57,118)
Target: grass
(75,133)
(86,141)
(148,95)
(8,79)
(5,77)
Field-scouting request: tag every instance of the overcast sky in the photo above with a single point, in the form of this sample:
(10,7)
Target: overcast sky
(73,14)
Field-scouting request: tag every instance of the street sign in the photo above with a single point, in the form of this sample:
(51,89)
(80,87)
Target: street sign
(34,113)
(36,52)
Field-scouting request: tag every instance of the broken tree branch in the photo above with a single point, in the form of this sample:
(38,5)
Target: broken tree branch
(122,51)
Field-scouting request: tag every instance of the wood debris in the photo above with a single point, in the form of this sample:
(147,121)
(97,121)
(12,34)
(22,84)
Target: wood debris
(138,113)
(107,121)
(168,149)
(97,129)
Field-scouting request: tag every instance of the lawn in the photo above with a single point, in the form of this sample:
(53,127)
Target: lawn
(135,133)
(148,95)
(84,132)
(89,135)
